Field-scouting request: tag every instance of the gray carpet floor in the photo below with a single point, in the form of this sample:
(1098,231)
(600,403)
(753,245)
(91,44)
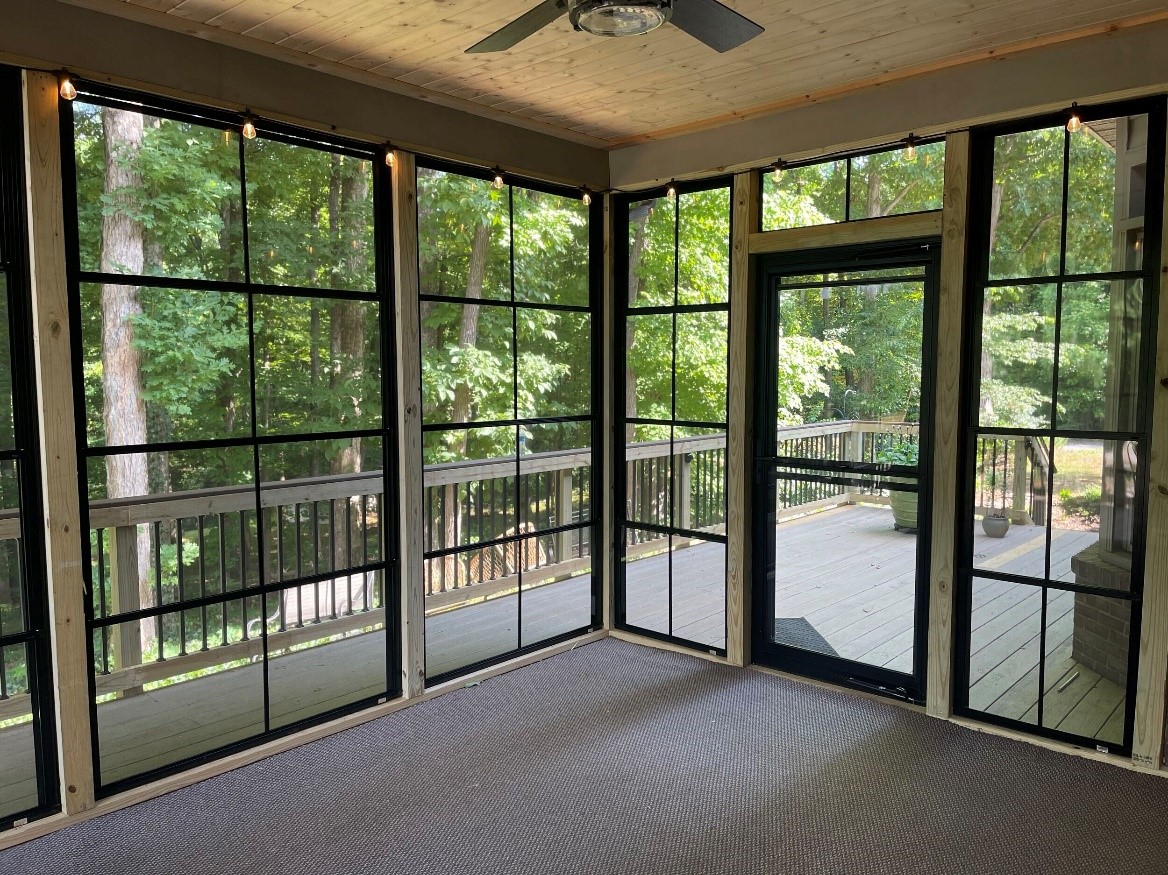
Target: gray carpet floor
(615,758)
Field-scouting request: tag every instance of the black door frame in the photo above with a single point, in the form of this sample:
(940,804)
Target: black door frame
(919,252)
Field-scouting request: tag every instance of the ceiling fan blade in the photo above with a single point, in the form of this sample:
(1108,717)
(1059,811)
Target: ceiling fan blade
(522,27)
(716,25)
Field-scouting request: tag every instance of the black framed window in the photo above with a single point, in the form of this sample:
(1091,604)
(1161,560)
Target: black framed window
(232,315)
(674,316)
(508,298)
(1066,230)
(864,185)
(28,780)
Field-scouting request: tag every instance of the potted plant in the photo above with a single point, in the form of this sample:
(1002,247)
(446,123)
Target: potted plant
(995,523)
(903,504)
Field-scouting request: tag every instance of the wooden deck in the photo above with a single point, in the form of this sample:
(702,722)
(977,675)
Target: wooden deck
(844,571)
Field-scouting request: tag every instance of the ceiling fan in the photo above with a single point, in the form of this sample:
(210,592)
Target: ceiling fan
(716,25)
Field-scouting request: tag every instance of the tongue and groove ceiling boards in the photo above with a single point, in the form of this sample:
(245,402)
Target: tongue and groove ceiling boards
(617,91)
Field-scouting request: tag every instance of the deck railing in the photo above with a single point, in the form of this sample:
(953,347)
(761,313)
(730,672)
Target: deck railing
(202,545)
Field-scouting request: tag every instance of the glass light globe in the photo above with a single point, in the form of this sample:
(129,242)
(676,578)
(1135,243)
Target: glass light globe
(610,18)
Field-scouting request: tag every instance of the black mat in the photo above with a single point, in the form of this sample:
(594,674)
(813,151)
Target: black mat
(615,758)
(798,632)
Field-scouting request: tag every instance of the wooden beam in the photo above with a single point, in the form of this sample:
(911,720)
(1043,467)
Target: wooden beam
(409,423)
(52,354)
(947,427)
(744,227)
(611,384)
(848,233)
(1148,737)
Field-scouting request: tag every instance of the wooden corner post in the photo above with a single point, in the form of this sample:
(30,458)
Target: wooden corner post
(745,219)
(409,422)
(947,429)
(58,440)
(1150,712)
(611,383)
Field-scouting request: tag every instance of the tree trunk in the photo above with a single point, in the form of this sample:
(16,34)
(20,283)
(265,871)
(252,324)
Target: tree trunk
(123,251)
(468,335)
(987,364)
(347,358)
(636,249)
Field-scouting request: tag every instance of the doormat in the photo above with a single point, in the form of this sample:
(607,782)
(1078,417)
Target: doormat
(797,632)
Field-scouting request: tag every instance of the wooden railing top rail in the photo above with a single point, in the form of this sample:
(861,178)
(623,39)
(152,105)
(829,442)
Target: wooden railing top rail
(188,504)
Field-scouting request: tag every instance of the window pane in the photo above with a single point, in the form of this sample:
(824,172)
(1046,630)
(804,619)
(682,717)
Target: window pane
(318,365)
(12,577)
(1010,504)
(326,646)
(467,367)
(1006,624)
(557,598)
(804,196)
(889,183)
(475,614)
(198,699)
(470,487)
(1099,356)
(18,768)
(699,591)
(1025,223)
(551,248)
(652,253)
(169,203)
(703,246)
(1086,665)
(699,471)
(646,580)
(555,363)
(649,366)
(1105,197)
(702,363)
(323,506)
(463,248)
(649,475)
(555,475)
(1017,356)
(164,365)
(1093,514)
(309,217)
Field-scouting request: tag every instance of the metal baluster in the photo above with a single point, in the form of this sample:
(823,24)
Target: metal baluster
(161,655)
(223,636)
(299,564)
(243,569)
(182,595)
(105,669)
(279,518)
(203,581)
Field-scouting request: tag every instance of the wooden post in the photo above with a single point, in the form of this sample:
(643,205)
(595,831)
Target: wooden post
(1018,511)
(409,423)
(682,515)
(947,419)
(855,438)
(58,448)
(125,638)
(745,221)
(564,514)
(604,554)
(1148,738)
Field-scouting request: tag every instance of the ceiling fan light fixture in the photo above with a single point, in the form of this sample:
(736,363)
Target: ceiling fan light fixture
(614,18)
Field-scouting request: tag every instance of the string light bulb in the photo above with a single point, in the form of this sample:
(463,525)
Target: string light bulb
(671,192)
(389,159)
(1075,122)
(910,148)
(586,198)
(778,169)
(498,182)
(65,86)
(249,129)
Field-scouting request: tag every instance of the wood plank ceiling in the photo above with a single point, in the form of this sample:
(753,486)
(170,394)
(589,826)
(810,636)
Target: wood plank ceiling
(617,91)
